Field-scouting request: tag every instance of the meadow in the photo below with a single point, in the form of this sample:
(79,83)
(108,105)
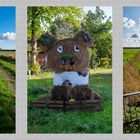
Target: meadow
(50,121)
(129,54)
(131,79)
(7,92)
(7,53)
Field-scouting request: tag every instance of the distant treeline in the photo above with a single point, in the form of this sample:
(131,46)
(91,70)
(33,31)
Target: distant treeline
(131,47)
(6,50)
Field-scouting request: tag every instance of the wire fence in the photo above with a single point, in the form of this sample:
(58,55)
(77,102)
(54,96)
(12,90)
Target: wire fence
(131,113)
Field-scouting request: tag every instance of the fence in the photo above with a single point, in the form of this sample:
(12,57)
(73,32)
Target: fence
(131,114)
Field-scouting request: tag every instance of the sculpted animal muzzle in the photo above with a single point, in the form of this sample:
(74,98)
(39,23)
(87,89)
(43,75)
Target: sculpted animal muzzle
(67,59)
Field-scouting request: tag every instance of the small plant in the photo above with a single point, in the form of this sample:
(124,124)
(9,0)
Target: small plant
(35,69)
(105,62)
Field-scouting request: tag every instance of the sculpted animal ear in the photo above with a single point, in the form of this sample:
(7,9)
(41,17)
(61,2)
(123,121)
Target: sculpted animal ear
(47,40)
(84,39)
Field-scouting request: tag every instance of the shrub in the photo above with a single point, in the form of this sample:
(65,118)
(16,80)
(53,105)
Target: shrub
(35,69)
(105,62)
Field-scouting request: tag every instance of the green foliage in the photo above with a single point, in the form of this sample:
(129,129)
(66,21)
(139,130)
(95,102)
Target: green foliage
(67,55)
(42,19)
(105,62)
(131,113)
(36,69)
(50,121)
(65,27)
(46,16)
(64,22)
(92,54)
(99,27)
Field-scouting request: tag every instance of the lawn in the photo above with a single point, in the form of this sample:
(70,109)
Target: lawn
(7,95)
(50,121)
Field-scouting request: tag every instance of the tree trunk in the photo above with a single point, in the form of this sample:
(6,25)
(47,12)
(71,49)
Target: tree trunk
(33,40)
(34,51)
(92,57)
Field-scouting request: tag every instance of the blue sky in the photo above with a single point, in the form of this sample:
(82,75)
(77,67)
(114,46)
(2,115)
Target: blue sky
(7,27)
(131,26)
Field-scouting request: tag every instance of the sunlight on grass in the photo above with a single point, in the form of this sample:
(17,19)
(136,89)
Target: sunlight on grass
(49,74)
(101,71)
(44,75)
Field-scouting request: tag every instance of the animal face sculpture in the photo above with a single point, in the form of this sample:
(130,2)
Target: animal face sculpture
(69,59)
(70,54)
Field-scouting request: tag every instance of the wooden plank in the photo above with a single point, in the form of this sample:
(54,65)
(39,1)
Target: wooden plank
(131,94)
(75,105)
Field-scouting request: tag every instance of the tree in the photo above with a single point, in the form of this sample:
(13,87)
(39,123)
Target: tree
(41,18)
(99,27)
(62,28)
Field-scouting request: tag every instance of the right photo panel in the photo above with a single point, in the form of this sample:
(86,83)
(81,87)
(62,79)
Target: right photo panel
(131,69)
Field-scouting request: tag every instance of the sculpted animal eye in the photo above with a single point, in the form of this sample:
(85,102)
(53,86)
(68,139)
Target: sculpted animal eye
(60,49)
(77,49)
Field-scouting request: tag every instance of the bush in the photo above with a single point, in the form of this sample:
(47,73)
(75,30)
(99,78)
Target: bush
(35,69)
(105,62)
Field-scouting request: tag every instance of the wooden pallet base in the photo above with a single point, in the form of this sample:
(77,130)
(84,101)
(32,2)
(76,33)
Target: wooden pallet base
(93,104)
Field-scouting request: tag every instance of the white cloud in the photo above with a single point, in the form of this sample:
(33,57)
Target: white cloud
(8,36)
(131,43)
(132,40)
(128,22)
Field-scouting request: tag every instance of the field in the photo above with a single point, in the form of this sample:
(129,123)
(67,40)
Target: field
(7,92)
(50,121)
(131,83)
(131,67)
(129,54)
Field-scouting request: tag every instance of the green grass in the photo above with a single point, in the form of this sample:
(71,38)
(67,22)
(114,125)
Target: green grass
(7,104)
(7,91)
(50,121)
(129,54)
(8,65)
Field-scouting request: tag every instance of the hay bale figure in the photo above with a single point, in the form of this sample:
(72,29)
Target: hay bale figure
(69,59)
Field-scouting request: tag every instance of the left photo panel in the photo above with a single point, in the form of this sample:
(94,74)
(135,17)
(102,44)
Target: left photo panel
(7,68)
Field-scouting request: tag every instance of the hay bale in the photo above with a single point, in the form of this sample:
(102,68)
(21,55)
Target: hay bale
(66,92)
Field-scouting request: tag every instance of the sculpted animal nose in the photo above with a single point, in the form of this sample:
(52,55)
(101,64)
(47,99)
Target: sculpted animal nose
(69,61)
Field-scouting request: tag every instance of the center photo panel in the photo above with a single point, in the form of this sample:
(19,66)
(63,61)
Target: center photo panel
(69,69)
